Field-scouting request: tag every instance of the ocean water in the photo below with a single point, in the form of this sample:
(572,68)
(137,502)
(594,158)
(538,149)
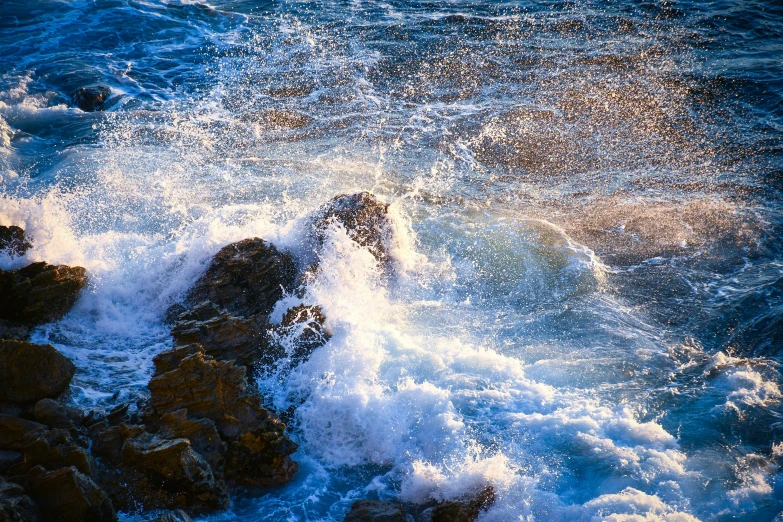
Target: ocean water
(585,303)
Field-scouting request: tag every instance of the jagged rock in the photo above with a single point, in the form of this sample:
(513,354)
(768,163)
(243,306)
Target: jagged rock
(303,327)
(168,473)
(15,506)
(228,338)
(66,495)
(464,510)
(56,414)
(169,360)
(257,447)
(39,293)
(376,511)
(14,240)
(14,429)
(245,278)
(202,434)
(173,516)
(277,119)
(51,449)
(91,98)
(31,372)
(363,217)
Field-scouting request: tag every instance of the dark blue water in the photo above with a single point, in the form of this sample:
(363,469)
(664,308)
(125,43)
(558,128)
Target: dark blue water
(586,309)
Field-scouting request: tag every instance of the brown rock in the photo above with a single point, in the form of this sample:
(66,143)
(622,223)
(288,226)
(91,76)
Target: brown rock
(14,240)
(167,473)
(15,506)
(228,338)
(13,330)
(376,511)
(258,448)
(56,414)
(245,278)
(66,495)
(30,372)
(169,360)
(39,293)
(202,434)
(52,449)
(364,218)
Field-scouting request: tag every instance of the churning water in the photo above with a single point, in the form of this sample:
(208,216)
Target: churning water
(585,307)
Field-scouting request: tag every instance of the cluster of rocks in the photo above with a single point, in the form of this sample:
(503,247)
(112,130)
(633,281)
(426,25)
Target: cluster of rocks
(204,429)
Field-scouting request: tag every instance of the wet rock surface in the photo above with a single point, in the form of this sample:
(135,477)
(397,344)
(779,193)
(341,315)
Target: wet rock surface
(67,495)
(39,293)
(466,509)
(302,329)
(245,278)
(376,511)
(363,216)
(257,450)
(30,372)
(92,98)
(14,240)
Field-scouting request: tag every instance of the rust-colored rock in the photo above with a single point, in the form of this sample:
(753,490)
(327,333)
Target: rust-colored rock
(363,217)
(258,450)
(202,434)
(245,278)
(52,450)
(39,293)
(376,511)
(31,372)
(56,414)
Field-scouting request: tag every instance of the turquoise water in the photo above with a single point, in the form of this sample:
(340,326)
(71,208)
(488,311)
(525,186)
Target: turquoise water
(584,307)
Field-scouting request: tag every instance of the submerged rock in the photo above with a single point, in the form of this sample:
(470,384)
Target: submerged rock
(257,448)
(15,505)
(376,511)
(31,372)
(245,278)
(67,495)
(303,329)
(39,293)
(14,240)
(91,98)
(363,217)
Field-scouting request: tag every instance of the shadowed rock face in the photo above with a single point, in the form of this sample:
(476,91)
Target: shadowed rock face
(245,278)
(463,510)
(30,372)
(376,511)
(15,505)
(363,217)
(39,293)
(91,98)
(66,495)
(14,240)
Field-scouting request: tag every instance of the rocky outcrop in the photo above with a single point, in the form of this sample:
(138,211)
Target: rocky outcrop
(30,372)
(302,329)
(14,240)
(39,293)
(225,337)
(364,218)
(257,450)
(376,511)
(15,505)
(245,278)
(90,99)
(466,509)
(67,495)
